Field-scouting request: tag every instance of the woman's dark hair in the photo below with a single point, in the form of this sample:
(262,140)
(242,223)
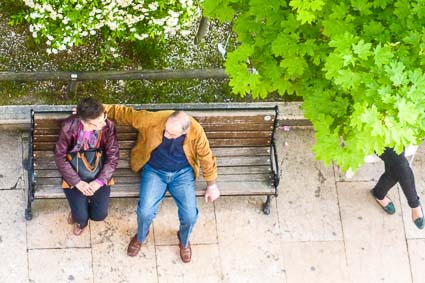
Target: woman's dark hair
(89,108)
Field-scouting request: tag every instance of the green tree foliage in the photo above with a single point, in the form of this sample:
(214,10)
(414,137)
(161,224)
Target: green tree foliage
(358,65)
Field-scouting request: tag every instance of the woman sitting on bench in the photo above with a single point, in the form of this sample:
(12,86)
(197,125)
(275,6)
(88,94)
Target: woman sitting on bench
(87,140)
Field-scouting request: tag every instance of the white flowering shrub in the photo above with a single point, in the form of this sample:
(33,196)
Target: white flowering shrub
(64,24)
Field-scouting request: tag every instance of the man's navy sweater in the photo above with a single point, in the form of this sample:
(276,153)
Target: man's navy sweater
(169,155)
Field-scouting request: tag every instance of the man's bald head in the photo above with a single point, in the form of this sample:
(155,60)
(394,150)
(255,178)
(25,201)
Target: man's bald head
(177,124)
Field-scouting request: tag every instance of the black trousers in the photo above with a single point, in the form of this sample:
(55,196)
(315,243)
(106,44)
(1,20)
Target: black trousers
(397,170)
(93,207)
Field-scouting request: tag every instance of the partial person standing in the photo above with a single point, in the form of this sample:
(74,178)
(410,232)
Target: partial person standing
(397,170)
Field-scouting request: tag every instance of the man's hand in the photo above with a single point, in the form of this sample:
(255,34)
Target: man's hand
(85,188)
(212,193)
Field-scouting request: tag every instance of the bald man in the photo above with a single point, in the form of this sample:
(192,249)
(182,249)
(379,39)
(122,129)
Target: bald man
(170,149)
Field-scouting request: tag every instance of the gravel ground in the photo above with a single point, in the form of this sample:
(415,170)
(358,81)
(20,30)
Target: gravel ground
(19,52)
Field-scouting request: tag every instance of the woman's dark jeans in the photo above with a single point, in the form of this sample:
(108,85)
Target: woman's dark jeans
(397,169)
(93,207)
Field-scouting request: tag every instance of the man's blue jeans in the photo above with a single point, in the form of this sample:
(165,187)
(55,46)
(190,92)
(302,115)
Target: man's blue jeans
(181,185)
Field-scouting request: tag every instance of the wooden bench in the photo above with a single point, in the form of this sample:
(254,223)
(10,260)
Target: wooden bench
(241,138)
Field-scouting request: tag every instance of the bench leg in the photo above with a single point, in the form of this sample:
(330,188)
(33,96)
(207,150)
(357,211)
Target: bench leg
(28,213)
(266,205)
(28,210)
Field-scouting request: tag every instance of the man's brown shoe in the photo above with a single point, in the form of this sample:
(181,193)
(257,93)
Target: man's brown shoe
(134,246)
(185,253)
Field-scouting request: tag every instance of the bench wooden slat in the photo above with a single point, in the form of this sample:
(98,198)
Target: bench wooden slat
(239,142)
(50,120)
(135,179)
(218,152)
(55,130)
(244,170)
(237,127)
(48,130)
(225,118)
(54,137)
(210,135)
(226,189)
(239,134)
(39,145)
(207,128)
(41,164)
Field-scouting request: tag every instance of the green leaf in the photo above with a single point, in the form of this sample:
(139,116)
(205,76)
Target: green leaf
(407,112)
(381,3)
(327,145)
(283,45)
(362,49)
(306,9)
(343,42)
(412,37)
(347,79)
(382,55)
(349,60)
(309,47)
(402,8)
(370,115)
(386,94)
(363,6)
(417,77)
(289,24)
(373,29)
(294,65)
(283,86)
(396,73)
(333,65)
(218,9)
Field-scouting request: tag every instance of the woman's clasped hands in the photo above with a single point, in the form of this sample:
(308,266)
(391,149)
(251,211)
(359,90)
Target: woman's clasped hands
(88,189)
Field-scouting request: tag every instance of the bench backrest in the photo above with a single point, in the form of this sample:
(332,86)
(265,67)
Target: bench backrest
(241,140)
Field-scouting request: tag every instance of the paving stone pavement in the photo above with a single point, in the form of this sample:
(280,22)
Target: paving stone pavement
(322,228)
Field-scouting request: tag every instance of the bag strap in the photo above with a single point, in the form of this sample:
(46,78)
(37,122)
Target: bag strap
(87,164)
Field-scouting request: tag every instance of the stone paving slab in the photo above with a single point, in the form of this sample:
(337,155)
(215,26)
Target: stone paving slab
(412,232)
(249,241)
(205,266)
(369,172)
(49,229)
(11,160)
(417,259)
(166,224)
(308,206)
(315,262)
(13,246)
(375,242)
(110,239)
(60,265)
